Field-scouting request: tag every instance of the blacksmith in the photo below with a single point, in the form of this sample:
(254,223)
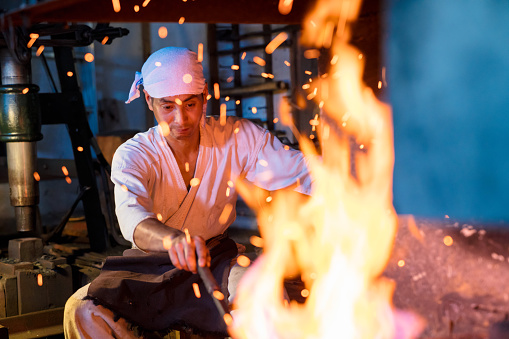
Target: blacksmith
(175,178)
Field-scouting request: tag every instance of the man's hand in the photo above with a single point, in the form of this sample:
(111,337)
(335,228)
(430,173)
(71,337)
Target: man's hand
(183,249)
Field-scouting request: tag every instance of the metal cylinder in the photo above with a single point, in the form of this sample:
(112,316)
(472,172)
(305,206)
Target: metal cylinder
(20,127)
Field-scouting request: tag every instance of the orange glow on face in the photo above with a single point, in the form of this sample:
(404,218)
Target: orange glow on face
(164,128)
(276,42)
(217,95)
(218,295)
(196,289)
(89,57)
(256,241)
(70,74)
(64,170)
(39,50)
(225,215)
(68,180)
(116,5)
(200,52)
(448,240)
(37,177)
(259,61)
(39,279)
(222,114)
(243,261)
(162,32)
(194,182)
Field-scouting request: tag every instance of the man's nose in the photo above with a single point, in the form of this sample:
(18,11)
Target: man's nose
(180,114)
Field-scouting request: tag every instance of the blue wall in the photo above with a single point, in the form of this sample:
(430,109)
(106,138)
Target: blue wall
(448,77)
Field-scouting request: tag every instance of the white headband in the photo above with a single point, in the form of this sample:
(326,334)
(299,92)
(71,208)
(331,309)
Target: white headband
(167,72)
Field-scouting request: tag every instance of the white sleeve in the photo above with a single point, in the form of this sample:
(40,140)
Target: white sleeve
(131,175)
(273,167)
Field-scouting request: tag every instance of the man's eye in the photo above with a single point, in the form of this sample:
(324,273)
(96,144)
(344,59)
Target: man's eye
(168,107)
(191,104)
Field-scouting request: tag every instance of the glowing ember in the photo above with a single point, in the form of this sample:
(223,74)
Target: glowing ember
(200,52)
(181,20)
(188,236)
(254,110)
(39,50)
(276,42)
(167,243)
(259,61)
(124,188)
(116,5)
(235,67)
(223,218)
(70,74)
(37,177)
(222,114)
(401,263)
(218,295)
(136,8)
(217,95)
(89,57)
(25,90)
(68,180)
(256,241)
(39,279)
(194,182)
(243,56)
(243,261)
(162,32)
(448,240)
(285,6)
(196,289)
(159,217)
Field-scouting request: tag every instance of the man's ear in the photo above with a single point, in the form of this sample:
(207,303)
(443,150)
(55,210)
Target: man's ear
(148,99)
(205,92)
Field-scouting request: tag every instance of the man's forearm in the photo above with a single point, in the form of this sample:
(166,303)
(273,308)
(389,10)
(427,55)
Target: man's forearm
(149,235)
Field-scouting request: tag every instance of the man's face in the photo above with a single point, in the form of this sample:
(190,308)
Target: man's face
(182,113)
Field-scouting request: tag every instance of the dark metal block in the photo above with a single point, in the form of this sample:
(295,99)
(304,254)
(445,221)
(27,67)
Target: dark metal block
(8,296)
(25,249)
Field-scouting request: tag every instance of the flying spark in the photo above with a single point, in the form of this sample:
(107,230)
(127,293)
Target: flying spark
(200,52)
(217,95)
(164,128)
(227,191)
(37,177)
(254,110)
(218,295)
(304,293)
(259,61)
(68,180)
(145,3)
(116,5)
(124,188)
(308,72)
(181,20)
(276,42)
(136,8)
(268,199)
(167,243)
(163,32)
(188,236)
(89,57)
(194,182)
(223,218)
(227,98)
(306,86)
(286,147)
(287,63)
(285,6)
(256,241)
(159,217)
(235,67)
(263,162)
(39,50)
(243,261)
(275,120)
(360,56)
(236,130)
(69,74)
(157,64)
(39,279)
(25,90)
(209,96)
(228,319)
(187,166)
(196,289)
(401,263)
(222,114)
(65,171)
(311,53)
(178,101)
(243,56)
(379,84)
(33,37)
(448,240)
(80,149)
(237,102)
(230,183)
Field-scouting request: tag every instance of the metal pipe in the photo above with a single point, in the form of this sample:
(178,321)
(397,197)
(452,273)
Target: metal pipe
(20,137)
